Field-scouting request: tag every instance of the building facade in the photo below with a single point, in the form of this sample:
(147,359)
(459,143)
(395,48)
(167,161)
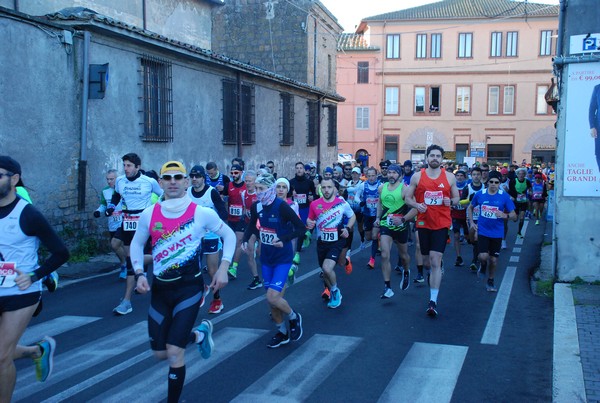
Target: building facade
(469,75)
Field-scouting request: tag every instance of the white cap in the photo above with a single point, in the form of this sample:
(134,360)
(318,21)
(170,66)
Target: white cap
(356,169)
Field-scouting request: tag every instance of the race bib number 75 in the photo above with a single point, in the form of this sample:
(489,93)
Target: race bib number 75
(8,274)
(434,198)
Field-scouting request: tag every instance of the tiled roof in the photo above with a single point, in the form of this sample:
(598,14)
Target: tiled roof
(461,9)
(87,16)
(354,42)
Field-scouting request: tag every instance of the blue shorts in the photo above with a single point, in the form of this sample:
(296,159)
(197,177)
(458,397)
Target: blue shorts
(274,277)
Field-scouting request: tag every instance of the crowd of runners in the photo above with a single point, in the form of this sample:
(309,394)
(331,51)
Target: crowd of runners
(174,225)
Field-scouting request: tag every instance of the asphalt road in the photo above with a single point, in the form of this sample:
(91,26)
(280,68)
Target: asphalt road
(482,347)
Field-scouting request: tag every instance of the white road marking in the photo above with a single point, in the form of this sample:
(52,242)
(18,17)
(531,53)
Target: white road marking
(514,259)
(55,326)
(308,366)
(516,250)
(491,334)
(519,241)
(151,384)
(428,373)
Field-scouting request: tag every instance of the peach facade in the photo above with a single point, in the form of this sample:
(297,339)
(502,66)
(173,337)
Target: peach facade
(476,105)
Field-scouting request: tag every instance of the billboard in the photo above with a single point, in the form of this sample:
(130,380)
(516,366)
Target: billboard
(582,140)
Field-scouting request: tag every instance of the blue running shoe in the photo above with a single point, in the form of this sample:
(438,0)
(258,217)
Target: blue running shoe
(51,281)
(45,362)
(123,273)
(336,299)
(207,344)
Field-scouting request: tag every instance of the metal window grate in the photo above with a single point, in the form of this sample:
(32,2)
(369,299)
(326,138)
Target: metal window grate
(248,131)
(231,120)
(287,120)
(229,112)
(157,100)
(313,123)
(332,126)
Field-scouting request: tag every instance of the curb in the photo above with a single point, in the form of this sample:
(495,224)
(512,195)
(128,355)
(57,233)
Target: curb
(567,374)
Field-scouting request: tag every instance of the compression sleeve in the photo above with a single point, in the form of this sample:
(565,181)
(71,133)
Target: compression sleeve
(251,227)
(142,233)
(219,204)
(288,215)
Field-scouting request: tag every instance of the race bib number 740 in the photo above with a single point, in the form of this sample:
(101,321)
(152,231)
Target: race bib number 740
(8,274)
(130,222)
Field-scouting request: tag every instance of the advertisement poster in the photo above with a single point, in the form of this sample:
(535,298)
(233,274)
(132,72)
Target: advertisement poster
(582,140)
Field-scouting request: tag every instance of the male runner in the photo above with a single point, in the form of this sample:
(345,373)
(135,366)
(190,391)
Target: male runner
(518,190)
(303,192)
(458,214)
(176,226)
(216,179)
(114,221)
(354,189)
(248,199)
(490,227)
(22,228)
(211,245)
(432,191)
(383,165)
(327,215)
(278,224)
(369,199)
(235,218)
(467,195)
(135,191)
(392,221)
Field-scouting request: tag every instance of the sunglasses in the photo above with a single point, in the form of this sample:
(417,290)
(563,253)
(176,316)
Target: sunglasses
(485,170)
(270,166)
(235,172)
(196,176)
(177,177)
(494,182)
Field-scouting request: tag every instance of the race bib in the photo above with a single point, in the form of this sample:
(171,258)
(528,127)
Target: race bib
(434,198)
(7,274)
(521,197)
(489,211)
(371,202)
(130,222)
(390,219)
(537,195)
(476,213)
(350,198)
(267,236)
(236,210)
(300,198)
(116,217)
(329,235)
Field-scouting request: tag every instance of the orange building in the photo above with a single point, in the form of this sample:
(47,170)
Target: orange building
(469,75)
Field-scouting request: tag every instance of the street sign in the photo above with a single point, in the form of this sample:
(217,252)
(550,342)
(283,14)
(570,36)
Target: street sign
(587,43)
(478,144)
(478,153)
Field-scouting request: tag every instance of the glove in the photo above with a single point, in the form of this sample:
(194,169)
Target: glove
(97,214)
(110,210)
(363,203)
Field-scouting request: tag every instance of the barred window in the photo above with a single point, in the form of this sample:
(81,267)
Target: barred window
(234,121)
(313,123)
(248,132)
(332,126)
(362,73)
(287,119)
(157,100)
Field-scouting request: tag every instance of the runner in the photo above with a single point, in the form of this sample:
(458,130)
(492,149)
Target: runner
(505,185)
(282,189)
(458,214)
(114,221)
(216,179)
(539,194)
(248,199)
(466,196)
(22,229)
(353,189)
(278,226)
(518,190)
(135,191)
(327,215)
(383,166)
(392,217)
(490,227)
(369,199)
(235,218)
(432,191)
(303,191)
(211,245)
(176,226)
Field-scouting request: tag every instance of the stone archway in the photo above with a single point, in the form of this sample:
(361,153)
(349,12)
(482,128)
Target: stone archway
(418,138)
(544,138)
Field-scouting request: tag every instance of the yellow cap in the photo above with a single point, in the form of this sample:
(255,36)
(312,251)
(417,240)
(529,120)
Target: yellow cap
(173,166)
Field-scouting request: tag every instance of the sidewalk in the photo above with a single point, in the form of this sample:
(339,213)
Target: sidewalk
(96,265)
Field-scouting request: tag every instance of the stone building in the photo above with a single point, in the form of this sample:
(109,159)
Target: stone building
(81,89)
(469,75)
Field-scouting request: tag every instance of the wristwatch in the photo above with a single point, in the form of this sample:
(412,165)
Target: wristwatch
(138,275)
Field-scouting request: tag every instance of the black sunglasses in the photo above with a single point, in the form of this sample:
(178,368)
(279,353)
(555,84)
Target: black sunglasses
(177,177)
(196,176)
(494,182)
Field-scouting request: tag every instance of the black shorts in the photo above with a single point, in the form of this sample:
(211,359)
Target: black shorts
(432,240)
(118,234)
(210,246)
(521,207)
(400,236)
(330,250)
(173,310)
(368,222)
(11,303)
(458,223)
(237,226)
(489,245)
(127,237)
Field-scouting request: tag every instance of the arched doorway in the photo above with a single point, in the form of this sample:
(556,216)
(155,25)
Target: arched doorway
(362,158)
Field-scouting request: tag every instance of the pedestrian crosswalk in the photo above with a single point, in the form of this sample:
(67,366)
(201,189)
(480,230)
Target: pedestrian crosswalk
(123,361)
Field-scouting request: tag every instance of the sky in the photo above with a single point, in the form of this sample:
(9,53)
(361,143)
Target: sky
(350,12)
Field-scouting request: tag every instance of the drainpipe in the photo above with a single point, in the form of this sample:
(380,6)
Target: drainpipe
(84,106)
(144,14)
(16,5)
(319,107)
(315,55)
(239,114)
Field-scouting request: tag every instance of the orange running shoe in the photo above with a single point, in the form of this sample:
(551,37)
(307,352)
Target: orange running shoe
(326,295)
(371,264)
(348,265)
(216,306)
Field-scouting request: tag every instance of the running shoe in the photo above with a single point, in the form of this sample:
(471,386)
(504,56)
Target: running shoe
(278,340)
(207,344)
(256,283)
(519,236)
(204,294)
(296,258)
(336,299)
(123,273)
(51,281)
(398,268)
(232,272)
(420,279)
(292,274)
(387,293)
(481,271)
(473,267)
(405,280)
(216,306)
(326,294)
(432,309)
(296,328)
(348,266)
(503,244)
(123,308)
(371,264)
(459,261)
(537,222)
(45,362)
(490,286)
(306,242)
